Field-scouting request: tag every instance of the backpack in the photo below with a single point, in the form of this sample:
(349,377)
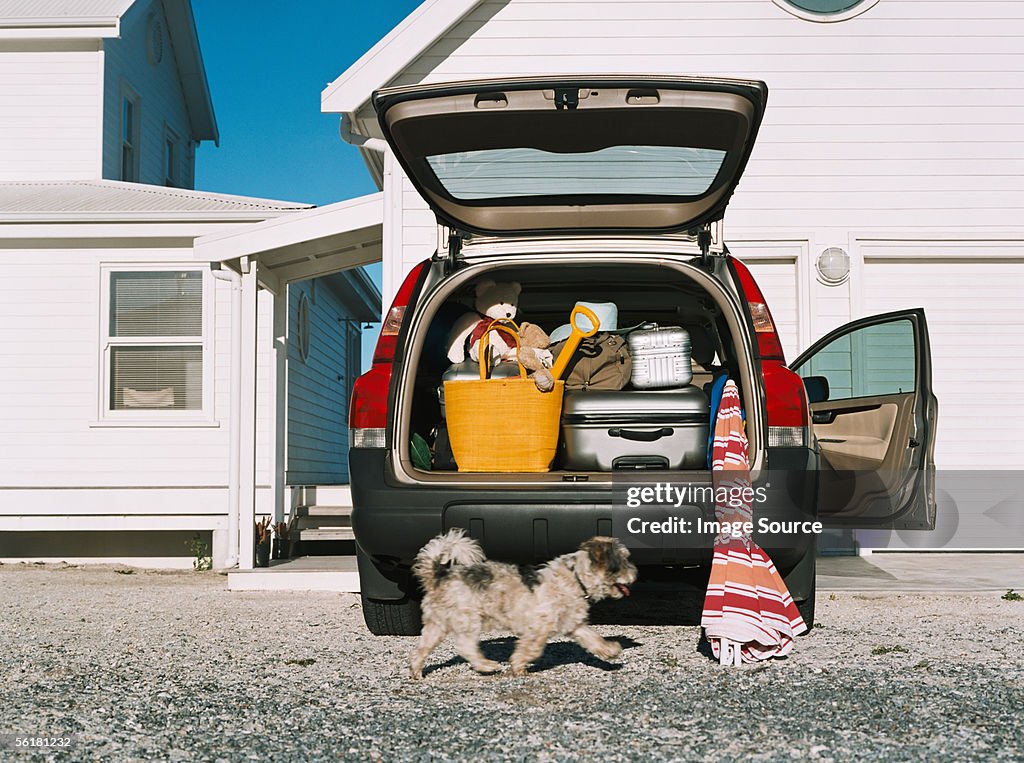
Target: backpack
(600,362)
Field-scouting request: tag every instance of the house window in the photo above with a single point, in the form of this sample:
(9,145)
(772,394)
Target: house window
(302,328)
(155,340)
(826,10)
(129,139)
(170,160)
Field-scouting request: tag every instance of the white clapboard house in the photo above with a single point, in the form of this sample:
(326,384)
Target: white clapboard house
(122,375)
(888,173)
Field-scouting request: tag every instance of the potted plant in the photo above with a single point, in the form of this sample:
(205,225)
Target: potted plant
(281,546)
(263,542)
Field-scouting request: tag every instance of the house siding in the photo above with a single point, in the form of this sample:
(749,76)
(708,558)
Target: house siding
(908,116)
(319,386)
(56,456)
(161,102)
(49,113)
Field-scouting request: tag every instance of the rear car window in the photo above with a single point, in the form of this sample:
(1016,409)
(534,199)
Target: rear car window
(615,170)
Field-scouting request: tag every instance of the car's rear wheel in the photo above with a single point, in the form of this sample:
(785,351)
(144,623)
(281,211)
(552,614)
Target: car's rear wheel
(807,609)
(392,618)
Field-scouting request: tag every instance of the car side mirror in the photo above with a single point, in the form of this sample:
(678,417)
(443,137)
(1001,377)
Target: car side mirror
(817,388)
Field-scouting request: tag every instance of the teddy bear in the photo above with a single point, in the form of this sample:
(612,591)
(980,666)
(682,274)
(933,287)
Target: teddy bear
(535,355)
(493,300)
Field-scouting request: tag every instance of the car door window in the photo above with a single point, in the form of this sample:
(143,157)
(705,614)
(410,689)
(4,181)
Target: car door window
(868,362)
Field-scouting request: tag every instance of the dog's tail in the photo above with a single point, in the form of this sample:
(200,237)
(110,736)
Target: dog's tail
(436,559)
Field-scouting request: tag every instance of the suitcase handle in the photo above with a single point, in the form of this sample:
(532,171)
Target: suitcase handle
(641,435)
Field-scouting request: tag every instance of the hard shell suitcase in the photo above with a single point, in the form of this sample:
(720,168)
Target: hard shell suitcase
(661,357)
(656,429)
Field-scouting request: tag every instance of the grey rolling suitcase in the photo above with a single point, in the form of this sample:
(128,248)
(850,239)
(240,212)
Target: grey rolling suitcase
(661,357)
(656,429)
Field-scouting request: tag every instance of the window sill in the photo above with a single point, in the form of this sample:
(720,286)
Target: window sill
(176,423)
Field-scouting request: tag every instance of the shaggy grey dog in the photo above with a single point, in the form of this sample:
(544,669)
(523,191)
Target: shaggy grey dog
(465,594)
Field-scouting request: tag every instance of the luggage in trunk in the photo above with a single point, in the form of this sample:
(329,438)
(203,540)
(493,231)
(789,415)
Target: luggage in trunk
(636,429)
(661,357)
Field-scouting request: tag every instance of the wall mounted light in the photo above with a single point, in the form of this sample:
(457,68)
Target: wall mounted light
(833,266)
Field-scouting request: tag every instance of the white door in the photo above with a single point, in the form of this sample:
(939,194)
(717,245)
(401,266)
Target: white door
(972,296)
(976,324)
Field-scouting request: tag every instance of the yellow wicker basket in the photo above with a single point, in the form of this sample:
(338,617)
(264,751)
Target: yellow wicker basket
(502,425)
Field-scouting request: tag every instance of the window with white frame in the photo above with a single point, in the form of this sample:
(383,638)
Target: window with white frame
(170,158)
(129,137)
(154,340)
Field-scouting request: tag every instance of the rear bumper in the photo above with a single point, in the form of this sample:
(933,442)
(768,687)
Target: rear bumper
(392,522)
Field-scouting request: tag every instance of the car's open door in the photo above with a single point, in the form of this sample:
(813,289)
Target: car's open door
(874,417)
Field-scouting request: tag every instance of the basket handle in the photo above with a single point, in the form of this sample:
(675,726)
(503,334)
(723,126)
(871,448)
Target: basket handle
(510,328)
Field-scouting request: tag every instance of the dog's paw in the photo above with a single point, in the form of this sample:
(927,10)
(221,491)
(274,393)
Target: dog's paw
(416,674)
(488,666)
(608,650)
(519,671)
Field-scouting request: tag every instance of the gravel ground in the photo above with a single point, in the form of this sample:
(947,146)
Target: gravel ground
(171,666)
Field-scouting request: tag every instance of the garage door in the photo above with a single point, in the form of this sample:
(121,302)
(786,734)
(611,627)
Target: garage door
(773,265)
(973,307)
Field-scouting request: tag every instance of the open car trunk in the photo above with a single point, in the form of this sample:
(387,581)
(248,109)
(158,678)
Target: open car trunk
(647,289)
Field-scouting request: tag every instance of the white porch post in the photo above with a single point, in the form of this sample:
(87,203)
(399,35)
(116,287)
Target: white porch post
(247,421)
(280,399)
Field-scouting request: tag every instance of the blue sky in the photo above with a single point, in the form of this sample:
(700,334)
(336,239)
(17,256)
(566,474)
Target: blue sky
(267,63)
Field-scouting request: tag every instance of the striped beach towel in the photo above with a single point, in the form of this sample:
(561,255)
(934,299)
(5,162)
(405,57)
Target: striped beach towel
(748,612)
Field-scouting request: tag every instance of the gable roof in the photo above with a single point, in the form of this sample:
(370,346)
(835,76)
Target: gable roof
(398,48)
(98,19)
(181,26)
(88,200)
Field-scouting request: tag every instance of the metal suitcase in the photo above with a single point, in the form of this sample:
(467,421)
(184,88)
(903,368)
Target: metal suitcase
(661,357)
(469,369)
(657,429)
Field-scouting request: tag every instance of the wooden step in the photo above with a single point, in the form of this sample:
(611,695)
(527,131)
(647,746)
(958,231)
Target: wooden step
(326,533)
(323,510)
(308,523)
(338,495)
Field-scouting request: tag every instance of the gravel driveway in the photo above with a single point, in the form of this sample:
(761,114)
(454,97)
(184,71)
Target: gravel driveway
(171,666)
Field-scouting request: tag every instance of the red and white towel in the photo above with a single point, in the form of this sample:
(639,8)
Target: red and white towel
(748,612)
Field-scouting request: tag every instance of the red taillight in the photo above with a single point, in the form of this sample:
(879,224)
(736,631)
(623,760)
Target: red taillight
(784,396)
(786,402)
(768,343)
(368,408)
(384,352)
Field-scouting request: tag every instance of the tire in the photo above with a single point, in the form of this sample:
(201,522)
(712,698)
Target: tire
(392,618)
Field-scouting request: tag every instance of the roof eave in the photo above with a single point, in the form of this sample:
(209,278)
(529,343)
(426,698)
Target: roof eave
(64,28)
(396,50)
(181,26)
(205,216)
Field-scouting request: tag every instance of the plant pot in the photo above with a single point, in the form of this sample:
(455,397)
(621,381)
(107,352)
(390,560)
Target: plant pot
(281,547)
(263,554)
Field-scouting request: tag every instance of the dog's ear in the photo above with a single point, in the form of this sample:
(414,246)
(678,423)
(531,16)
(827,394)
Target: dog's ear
(602,553)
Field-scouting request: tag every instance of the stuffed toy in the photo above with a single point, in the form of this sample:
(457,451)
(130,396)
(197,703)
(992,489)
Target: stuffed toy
(535,355)
(493,300)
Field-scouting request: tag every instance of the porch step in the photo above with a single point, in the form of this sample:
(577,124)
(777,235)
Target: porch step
(319,573)
(322,510)
(326,533)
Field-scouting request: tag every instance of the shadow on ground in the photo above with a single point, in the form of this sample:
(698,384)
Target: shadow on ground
(661,596)
(555,655)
